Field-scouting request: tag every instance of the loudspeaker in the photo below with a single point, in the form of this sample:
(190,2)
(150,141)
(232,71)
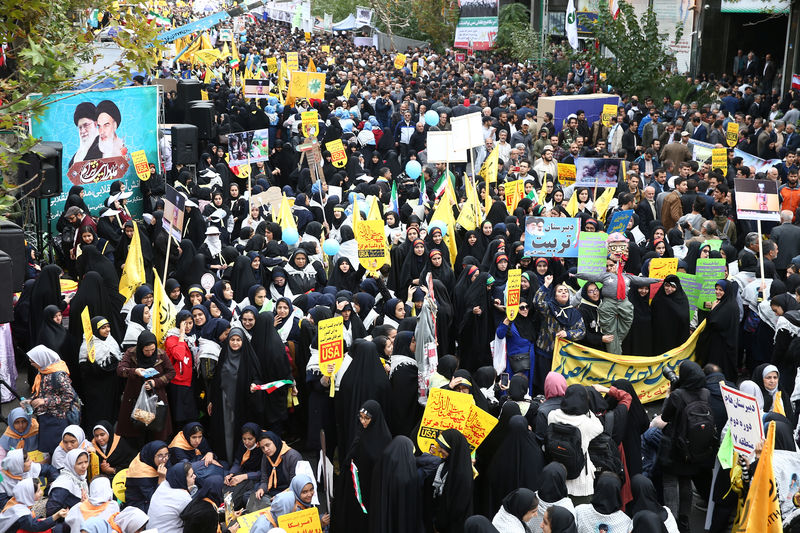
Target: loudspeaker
(6,290)
(188,90)
(39,172)
(184,144)
(202,116)
(50,156)
(12,242)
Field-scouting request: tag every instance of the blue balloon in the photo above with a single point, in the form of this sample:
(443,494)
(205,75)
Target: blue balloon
(413,169)
(331,247)
(243,38)
(431,118)
(290,236)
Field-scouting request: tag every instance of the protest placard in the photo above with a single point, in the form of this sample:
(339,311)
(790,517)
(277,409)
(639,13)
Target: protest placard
(552,237)
(440,148)
(744,419)
(619,221)
(757,199)
(305,521)
(512,293)
(371,239)
(708,272)
(445,410)
(592,253)
(597,172)
(661,267)
(566,174)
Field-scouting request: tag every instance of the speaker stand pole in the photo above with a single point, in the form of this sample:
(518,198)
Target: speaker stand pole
(50,240)
(37,208)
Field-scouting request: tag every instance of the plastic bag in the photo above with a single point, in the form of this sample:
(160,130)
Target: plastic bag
(144,410)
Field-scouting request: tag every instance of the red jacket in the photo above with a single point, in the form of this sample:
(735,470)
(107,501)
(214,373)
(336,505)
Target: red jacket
(181,358)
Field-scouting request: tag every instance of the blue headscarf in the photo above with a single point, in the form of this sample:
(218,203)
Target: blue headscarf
(176,476)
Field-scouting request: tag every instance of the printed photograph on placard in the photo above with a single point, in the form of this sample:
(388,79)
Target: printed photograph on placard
(599,172)
(757,199)
(259,146)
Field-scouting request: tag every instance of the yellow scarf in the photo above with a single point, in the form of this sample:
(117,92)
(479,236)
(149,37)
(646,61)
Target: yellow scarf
(59,366)
(89,511)
(33,430)
(180,442)
(140,469)
(273,476)
(110,450)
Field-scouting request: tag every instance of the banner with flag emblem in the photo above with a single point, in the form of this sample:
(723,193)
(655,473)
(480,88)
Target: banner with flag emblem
(164,311)
(307,85)
(133,271)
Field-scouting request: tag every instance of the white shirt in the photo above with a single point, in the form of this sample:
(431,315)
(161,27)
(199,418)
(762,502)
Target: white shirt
(166,507)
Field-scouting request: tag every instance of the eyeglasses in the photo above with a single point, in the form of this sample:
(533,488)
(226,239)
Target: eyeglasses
(523,307)
(162,455)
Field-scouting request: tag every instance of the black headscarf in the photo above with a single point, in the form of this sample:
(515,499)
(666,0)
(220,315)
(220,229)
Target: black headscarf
(519,502)
(52,335)
(670,315)
(146,338)
(348,281)
(92,294)
(575,400)
(469,381)
(242,278)
(561,520)
(479,524)
(607,498)
(191,265)
(517,463)
(648,522)
(46,291)
(455,503)
(691,376)
(645,497)
(553,483)
(395,505)
(447,366)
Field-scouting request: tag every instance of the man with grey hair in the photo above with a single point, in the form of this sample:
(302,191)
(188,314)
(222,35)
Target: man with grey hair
(787,237)
(750,246)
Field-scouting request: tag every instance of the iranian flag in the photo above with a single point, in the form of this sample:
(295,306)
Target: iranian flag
(272,386)
(234,62)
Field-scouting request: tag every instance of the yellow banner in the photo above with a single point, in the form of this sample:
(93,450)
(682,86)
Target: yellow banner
(307,85)
(453,410)
(609,110)
(732,134)
(399,61)
(514,192)
(164,312)
(566,174)
(661,267)
(272,65)
(719,158)
(133,270)
(587,366)
(209,56)
(512,293)
(141,165)
(330,344)
(292,61)
(246,521)
(86,320)
(326,49)
(762,511)
(305,521)
(310,122)
(371,239)
(338,153)
(307,35)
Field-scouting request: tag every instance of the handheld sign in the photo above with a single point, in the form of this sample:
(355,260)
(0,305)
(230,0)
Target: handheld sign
(330,344)
(512,293)
(757,200)
(338,153)
(305,521)
(744,419)
(719,158)
(609,110)
(619,221)
(310,123)
(732,134)
(372,252)
(87,333)
(141,165)
(399,61)
(661,267)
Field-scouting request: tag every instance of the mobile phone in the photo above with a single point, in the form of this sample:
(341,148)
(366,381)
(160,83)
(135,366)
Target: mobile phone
(504,379)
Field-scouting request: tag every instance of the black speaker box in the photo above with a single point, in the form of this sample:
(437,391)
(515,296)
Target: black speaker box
(50,157)
(184,144)
(188,90)
(6,289)
(12,242)
(201,114)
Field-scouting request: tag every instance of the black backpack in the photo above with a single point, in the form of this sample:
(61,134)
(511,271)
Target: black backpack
(695,432)
(604,452)
(563,444)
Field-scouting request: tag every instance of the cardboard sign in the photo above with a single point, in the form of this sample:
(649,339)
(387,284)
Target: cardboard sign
(619,221)
(609,110)
(757,199)
(141,165)
(732,134)
(272,65)
(326,49)
(330,344)
(305,521)
(597,172)
(566,174)
(592,254)
(310,123)
(515,190)
(87,334)
(470,131)
(551,237)
(371,239)
(719,158)
(445,410)
(246,521)
(399,61)
(292,61)
(338,153)
(440,148)
(512,293)
(708,272)
(661,267)
(744,419)
(478,426)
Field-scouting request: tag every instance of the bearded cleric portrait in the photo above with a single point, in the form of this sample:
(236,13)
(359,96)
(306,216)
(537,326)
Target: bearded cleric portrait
(86,121)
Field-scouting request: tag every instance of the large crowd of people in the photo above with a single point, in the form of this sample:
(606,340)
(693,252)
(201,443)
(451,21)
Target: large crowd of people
(234,411)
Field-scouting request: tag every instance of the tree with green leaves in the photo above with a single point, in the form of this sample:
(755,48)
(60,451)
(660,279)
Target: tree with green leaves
(47,44)
(514,35)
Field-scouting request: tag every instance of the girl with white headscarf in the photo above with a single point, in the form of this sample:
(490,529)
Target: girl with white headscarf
(72,438)
(130,520)
(70,488)
(18,515)
(14,468)
(52,396)
(101,503)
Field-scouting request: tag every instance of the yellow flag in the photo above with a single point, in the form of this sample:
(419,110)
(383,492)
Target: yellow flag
(88,335)
(287,218)
(133,270)
(489,167)
(374,210)
(207,78)
(307,85)
(572,205)
(205,41)
(207,56)
(601,205)
(234,51)
(282,81)
(311,66)
(444,213)
(164,312)
(470,211)
(762,512)
(356,214)
(226,52)
(346,91)
(777,404)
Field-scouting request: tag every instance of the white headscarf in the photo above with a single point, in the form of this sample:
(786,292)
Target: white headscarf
(100,491)
(59,459)
(767,370)
(43,356)
(749,387)
(69,479)
(25,494)
(131,519)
